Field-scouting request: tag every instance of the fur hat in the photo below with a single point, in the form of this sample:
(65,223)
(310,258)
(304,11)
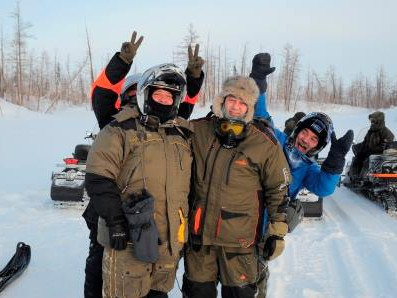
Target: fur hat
(241,87)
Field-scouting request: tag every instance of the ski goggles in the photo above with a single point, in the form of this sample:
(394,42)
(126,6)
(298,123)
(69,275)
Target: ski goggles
(227,126)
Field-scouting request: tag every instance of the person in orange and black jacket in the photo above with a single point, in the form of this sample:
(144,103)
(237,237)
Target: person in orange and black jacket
(110,92)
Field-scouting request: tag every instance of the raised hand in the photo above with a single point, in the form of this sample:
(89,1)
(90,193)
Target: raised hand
(335,160)
(195,62)
(129,48)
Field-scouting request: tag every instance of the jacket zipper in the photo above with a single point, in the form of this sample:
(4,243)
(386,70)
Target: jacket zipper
(180,157)
(209,188)
(207,157)
(229,166)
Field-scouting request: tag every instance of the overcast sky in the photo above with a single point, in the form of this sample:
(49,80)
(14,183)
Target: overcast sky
(355,36)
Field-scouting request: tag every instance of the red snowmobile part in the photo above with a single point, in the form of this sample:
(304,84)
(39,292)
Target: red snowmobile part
(71,161)
(382,175)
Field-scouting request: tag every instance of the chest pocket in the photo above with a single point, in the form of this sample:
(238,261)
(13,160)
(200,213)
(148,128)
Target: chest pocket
(183,158)
(242,168)
(137,164)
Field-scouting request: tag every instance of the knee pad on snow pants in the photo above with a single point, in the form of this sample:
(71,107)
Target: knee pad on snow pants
(193,289)
(247,291)
(93,271)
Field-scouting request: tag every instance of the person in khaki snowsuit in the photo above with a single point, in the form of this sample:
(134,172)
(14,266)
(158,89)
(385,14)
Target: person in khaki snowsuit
(113,90)
(138,178)
(239,170)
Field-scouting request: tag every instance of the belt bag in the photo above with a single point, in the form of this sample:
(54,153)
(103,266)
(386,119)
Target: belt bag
(139,211)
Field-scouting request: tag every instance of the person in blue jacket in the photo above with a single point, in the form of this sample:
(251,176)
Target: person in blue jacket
(310,136)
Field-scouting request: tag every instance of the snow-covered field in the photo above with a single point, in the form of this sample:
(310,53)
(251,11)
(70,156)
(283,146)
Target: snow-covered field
(351,253)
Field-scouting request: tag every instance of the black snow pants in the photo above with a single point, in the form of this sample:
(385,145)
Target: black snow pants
(192,289)
(93,265)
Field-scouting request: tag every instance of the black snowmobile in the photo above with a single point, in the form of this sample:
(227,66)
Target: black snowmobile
(68,185)
(378,178)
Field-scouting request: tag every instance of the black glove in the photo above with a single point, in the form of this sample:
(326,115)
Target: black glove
(335,160)
(128,49)
(260,69)
(118,236)
(195,62)
(274,245)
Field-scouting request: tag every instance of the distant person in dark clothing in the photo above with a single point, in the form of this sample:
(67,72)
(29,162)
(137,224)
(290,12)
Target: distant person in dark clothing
(291,122)
(374,142)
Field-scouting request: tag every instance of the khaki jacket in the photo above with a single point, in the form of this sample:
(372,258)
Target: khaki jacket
(233,186)
(135,156)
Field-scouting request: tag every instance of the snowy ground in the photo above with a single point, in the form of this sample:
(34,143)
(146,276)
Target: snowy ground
(351,253)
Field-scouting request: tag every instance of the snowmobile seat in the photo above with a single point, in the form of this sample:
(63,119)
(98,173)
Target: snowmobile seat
(81,152)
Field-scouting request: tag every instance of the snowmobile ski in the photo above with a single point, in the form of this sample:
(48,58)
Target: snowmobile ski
(16,266)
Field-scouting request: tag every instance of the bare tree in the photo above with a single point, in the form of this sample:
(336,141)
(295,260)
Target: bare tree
(89,56)
(191,38)
(380,92)
(19,47)
(2,64)
(243,69)
(288,79)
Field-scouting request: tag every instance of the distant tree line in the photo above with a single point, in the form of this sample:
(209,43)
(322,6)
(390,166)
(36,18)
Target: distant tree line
(40,81)
(287,86)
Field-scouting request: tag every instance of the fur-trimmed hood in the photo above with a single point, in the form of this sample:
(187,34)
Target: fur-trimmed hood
(240,87)
(380,120)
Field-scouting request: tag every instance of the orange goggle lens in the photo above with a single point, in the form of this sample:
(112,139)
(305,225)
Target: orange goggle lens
(236,128)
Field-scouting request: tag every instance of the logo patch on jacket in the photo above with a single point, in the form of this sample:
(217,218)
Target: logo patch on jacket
(241,162)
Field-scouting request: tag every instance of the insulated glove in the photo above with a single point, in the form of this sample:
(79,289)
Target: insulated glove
(335,160)
(274,245)
(260,69)
(139,211)
(128,49)
(195,62)
(118,236)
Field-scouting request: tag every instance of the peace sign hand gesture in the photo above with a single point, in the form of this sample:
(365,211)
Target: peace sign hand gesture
(129,48)
(195,62)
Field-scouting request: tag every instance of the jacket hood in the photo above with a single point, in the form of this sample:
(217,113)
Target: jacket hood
(377,120)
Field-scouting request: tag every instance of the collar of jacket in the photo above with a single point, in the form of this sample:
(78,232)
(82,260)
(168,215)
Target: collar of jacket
(128,112)
(294,157)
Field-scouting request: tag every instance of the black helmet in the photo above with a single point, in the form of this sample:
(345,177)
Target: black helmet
(320,124)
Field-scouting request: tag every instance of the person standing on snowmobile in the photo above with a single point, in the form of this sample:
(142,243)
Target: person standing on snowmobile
(238,171)
(310,135)
(374,142)
(106,103)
